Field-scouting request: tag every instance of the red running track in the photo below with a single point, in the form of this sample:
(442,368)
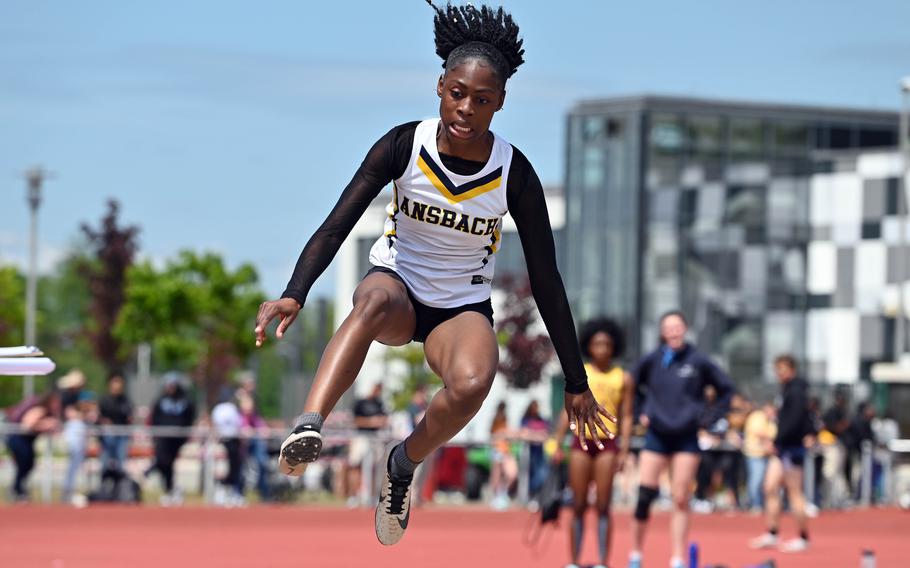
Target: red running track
(298,537)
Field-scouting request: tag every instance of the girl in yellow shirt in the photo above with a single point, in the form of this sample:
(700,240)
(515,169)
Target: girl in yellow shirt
(602,340)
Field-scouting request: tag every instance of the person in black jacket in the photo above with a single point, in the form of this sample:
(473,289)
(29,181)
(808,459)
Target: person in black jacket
(673,380)
(860,431)
(115,409)
(785,468)
(173,408)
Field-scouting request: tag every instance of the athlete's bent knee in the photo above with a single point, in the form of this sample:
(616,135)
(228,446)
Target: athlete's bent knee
(681,500)
(646,496)
(471,389)
(372,306)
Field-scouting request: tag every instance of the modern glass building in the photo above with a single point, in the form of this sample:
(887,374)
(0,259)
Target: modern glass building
(701,205)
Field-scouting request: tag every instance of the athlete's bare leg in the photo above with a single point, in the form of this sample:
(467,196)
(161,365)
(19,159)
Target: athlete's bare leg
(774,479)
(604,472)
(650,466)
(683,467)
(793,481)
(464,353)
(580,471)
(382,312)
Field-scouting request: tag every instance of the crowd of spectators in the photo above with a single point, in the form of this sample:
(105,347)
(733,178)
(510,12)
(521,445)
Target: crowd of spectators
(735,445)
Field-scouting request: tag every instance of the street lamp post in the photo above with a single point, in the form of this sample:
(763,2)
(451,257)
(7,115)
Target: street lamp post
(34,178)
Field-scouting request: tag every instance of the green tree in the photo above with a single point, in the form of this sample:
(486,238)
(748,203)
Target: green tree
(12,321)
(12,305)
(196,313)
(63,301)
(63,313)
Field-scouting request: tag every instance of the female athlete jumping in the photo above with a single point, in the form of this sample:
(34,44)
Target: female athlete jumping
(453,181)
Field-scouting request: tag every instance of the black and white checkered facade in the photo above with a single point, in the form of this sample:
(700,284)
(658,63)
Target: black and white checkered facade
(858,257)
(705,206)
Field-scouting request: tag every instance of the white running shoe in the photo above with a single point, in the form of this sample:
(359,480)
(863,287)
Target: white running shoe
(766,540)
(795,545)
(301,447)
(394,508)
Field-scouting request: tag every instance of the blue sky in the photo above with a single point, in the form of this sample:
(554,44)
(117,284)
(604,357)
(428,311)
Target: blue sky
(233,127)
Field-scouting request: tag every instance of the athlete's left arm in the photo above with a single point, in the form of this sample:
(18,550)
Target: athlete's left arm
(529,209)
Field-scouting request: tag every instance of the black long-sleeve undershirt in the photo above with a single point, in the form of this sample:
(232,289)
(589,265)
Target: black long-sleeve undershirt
(386,161)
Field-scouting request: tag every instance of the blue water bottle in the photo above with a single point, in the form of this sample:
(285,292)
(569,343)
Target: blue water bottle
(693,555)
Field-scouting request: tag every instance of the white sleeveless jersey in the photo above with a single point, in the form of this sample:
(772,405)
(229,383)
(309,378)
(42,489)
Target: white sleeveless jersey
(444,229)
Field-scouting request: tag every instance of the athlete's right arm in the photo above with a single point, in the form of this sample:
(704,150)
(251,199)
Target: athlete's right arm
(382,164)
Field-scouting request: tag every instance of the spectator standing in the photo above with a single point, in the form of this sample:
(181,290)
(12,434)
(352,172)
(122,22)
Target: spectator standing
(832,440)
(70,385)
(503,466)
(715,459)
(592,462)
(74,428)
(818,456)
(370,417)
(228,423)
(740,408)
(859,433)
(886,430)
(418,405)
(173,408)
(673,379)
(758,446)
(35,416)
(255,434)
(75,435)
(785,467)
(115,409)
(534,431)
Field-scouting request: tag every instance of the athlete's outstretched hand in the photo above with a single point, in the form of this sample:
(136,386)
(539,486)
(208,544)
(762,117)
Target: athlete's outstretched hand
(285,308)
(585,412)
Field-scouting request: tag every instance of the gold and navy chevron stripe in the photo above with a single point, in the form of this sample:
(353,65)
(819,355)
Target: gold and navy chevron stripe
(456,193)
(493,247)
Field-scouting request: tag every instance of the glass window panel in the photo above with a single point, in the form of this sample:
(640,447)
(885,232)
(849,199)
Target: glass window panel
(705,135)
(615,127)
(790,137)
(688,207)
(746,137)
(840,137)
(594,128)
(593,168)
(877,137)
(745,205)
(871,230)
(663,206)
(667,134)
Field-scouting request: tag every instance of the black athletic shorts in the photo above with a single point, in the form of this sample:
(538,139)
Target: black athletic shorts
(429,317)
(669,444)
